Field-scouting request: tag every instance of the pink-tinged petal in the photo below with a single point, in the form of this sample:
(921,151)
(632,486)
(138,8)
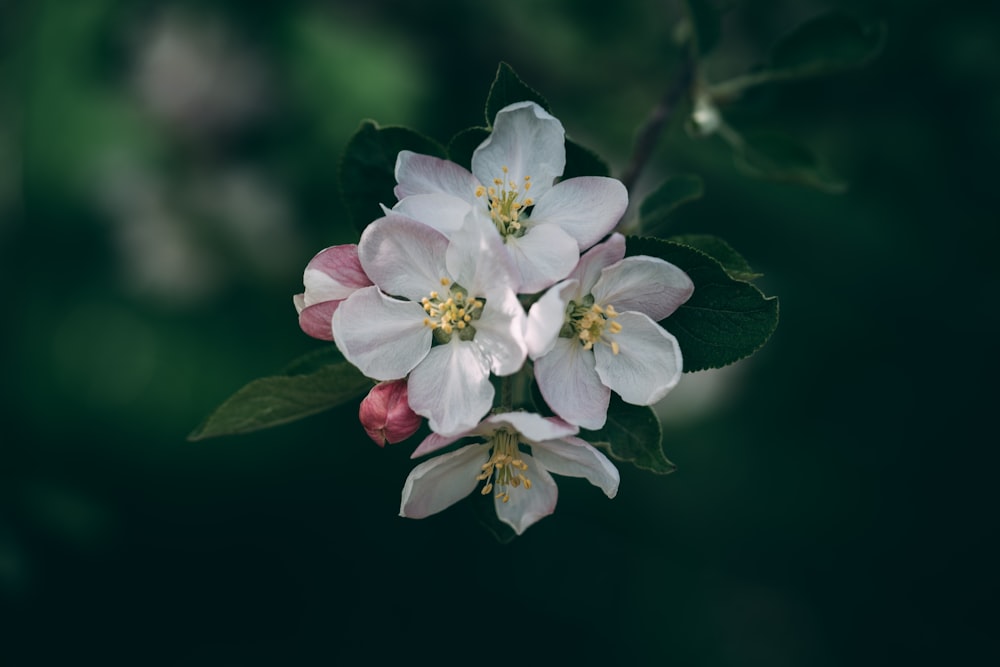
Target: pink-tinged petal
(333,274)
(648,363)
(444,213)
(526,506)
(418,174)
(595,260)
(647,285)
(317,321)
(587,207)
(573,457)
(477,257)
(500,333)
(570,384)
(436,441)
(384,337)
(533,427)
(547,317)
(544,256)
(451,387)
(442,481)
(385,414)
(403,257)
(529,142)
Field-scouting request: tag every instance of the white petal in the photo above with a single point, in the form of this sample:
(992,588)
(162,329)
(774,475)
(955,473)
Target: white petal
(544,256)
(647,285)
(404,257)
(595,260)
(384,337)
(547,316)
(587,208)
(570,384)
(648,363)
(500,333)
(529,142)
(526,506)
(451,387)
(574,457)
(477,258)
(444,213)
(532,427)
(442,481)
(418,174)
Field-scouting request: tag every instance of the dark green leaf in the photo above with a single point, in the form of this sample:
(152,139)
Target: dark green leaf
(725,320)
(276,400)
(826,44)
(632,433)
(735,265)
(507,89)
(655,209)
(778,157)
(464,144)
(581,161)
(706,23)
(313,361)
(367,170)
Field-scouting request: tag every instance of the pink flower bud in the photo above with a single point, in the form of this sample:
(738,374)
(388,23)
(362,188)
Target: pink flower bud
(386,414)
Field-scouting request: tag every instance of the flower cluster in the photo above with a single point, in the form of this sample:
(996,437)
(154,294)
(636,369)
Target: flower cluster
(494,273)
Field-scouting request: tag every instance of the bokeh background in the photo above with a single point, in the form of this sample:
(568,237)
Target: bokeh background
(168,168)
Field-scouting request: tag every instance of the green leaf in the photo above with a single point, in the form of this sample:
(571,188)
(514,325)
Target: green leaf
(271,401)
(735,265)
(706,23)
(778,157)
(632,433)
(725,320)
(826,44)
(367,170)
(581,161)
(464,144)
(656,208)
(507,89)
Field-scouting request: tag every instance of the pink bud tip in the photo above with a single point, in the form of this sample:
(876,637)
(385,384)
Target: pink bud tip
(386,415)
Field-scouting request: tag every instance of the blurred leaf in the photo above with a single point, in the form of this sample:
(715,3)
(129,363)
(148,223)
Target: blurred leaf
(632,433)
(655,208)
(778,157)
(826,44)
(507,89)
(581,161)
(313,361)
(706,23)
(276,400)
(725,320)
(735,265)
(367,170)
(464,144)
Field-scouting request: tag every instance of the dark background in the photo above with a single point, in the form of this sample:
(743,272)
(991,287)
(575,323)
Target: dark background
(168,168)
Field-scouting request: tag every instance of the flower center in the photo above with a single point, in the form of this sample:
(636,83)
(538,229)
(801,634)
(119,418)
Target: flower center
(450,312)
(506,467)
(506,205)
(590,323)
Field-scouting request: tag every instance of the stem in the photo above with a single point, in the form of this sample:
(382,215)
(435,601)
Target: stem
(650,131)
(506,394)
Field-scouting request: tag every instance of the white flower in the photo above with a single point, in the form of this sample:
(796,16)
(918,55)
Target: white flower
(522,488)
(459,295)
(544,225)
(330,277)
(597,331)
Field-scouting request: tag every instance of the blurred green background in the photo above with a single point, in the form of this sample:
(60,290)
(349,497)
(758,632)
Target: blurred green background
(168,168)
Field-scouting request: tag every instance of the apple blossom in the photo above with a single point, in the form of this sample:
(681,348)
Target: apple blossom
(385,413)
(597,331)
(330,277)
(443,312)
(512,189)
(522,487)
